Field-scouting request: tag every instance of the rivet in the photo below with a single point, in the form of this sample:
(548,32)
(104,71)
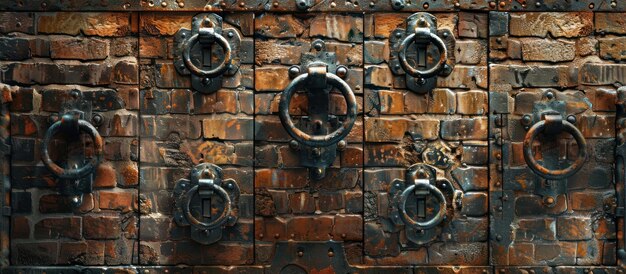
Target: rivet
(223,4)
(426,6)
(276,236)
(571,119)
(591,5)
(333,4)
(294,71)
(181,4)
(231,34)
(372,4)
(398,35)
(613,4)
(342,71)
(44,5)
(293,235)
(331,253)
(499,208)
(537,4)
(275,4)
(492,5)
(261,235)
(549,200)
(300,253)
(341,145)
(502,4)
(498,156)
(457,4)
(499,40)
(343,235)
(549,95)
(499,238)
(164,4)
(242,4)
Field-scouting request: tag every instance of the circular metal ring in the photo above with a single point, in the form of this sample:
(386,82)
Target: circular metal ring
(433,221)
(215,223)
(557,174)
(217,71)
(77,173)
(318,140)
(443,54)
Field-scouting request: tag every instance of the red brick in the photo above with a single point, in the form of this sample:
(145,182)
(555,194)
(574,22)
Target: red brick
(348,227)
(122,201)
(56,228)
(101,227)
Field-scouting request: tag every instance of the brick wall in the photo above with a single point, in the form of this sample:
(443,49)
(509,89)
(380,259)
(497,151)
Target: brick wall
(289,204)
(402,127)
(573,56)
(45,56)
(182,128)
(157,128)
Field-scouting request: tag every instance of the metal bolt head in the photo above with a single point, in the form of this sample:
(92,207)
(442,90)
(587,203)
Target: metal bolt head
(206,81)
(230,186)
(300,253)
(294,71)
(301,4)
(342,71)
(331,253)
(333,4)
(613,4)
(420,81)
(275,4)
(293,144)
(549,200)
(499,238)
(341,145)
(242,4)
(571,119)
(231,34)
(526,120)
(492,5)
(502,4)
(181,4)
(97,119)
(372,4)
(457,4)
(317,152)
(550,95)
(425,6)
(164,4)
(538,4)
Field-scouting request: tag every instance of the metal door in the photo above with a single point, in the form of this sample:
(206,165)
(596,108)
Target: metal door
(309,136)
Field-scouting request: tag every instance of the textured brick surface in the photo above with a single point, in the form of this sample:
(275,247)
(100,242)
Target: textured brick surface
(402,126)
(575,58)
(182,128)
(290,205)
(68,51)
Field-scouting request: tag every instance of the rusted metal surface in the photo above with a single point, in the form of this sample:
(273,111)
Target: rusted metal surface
(306,136)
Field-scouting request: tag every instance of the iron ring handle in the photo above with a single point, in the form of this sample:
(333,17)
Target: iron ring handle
(427,224)
(223,66)
(443,54)
(557,174)
(215,223)
(77,173)
(318,140)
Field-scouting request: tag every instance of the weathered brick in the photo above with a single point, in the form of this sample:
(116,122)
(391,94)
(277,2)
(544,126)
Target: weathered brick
(473,25)
(56,228)
(379,76)
(394,129)
(301,202)
(101,227)
(464,77)
(535,229)
(89,23)
(345,28)
(79,48)
(152,47)
(507,76)
(228,128)
(548,50)
(610,22)
(602,74)
(39,253)
(464,129)
(278,52)
(375,52)
(474,204)
(281,178)
(54,203)
(17,22)
(443,101)
(597,126)
(613,48)
(15,49)
(574,228)
(88,253)
(126,72)
(122,201)
(470,52)
(270,78)
(278,26)
(557,24)
(20,227)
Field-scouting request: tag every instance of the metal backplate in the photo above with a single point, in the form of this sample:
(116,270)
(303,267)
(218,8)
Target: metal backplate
(309,257)
(207,57)
(202,209)
(428,54)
